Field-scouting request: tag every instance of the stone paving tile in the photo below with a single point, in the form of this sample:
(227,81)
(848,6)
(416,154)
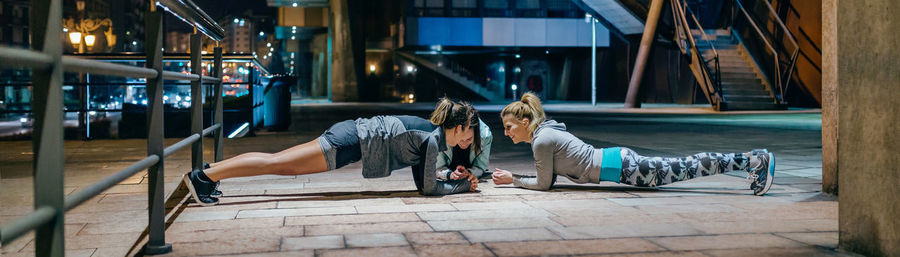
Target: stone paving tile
(383,227)
(572,247)
(630,230)
(193,214)
(340,203)
(405,208)
(226,233)
(766,226)
(404,251)
(687,208)
(181,226)
(312,242)
(350,219)
(295,212)
(68,252)
(434,238)
(452,250)
(498,235)
(488,206)
(375,240)
(111,252)
(563,203)
(577,195)
(462,198)
(651,201)
(19,244)
(496,223)
(792,251)
(612,218)
(469,215)
(724,242)
(823,239)
(230,203)
(248,245)
(114,227)
(307,253)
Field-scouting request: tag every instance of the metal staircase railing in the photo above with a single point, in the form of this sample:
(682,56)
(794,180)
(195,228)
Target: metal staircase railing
(48,64)
(783,61)
(710,81)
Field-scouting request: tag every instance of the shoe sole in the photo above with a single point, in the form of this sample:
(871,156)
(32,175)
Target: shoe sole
(770,177)
(187,182)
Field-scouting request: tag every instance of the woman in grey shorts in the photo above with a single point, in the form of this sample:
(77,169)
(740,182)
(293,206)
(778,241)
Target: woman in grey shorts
(382,143)
(557,152)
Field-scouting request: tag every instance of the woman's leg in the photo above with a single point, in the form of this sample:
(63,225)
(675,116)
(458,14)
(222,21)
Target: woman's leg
(301,159)
(656,171)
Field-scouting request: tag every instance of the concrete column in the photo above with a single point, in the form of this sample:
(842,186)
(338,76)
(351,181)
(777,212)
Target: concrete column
(829,97)
(343,74)
(868,75)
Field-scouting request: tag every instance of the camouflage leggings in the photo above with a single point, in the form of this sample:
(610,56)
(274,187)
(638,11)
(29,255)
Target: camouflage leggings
(656,171)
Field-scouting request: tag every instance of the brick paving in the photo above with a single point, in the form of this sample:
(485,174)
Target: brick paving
(339,213)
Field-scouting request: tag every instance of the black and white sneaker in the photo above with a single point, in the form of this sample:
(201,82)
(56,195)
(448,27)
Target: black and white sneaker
(753,154)
(200,189)
(215,192)
(762,172)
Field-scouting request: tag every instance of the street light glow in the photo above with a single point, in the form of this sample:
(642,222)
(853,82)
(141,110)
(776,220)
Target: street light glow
(409,68)
(89,40)
(75,37)
(294,5)
(371,68)
(514,87)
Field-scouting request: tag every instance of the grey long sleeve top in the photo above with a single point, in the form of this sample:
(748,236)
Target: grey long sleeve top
(386,146)
(558,152)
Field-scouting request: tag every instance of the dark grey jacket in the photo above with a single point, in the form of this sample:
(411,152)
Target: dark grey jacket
(386,146)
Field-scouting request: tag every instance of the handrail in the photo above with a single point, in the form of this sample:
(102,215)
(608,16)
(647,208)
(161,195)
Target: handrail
(679,12)
(48,64)
(190,13)
(781,79)
(18,228)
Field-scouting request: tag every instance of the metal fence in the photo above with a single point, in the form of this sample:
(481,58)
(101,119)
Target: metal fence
(48,64)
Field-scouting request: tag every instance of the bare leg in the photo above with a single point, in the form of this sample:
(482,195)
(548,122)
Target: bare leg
(302,159)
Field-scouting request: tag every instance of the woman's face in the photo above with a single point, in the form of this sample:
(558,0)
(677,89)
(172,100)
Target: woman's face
(463,137)
(516,129)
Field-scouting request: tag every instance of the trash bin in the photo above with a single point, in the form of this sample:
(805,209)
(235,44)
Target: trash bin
(277,105)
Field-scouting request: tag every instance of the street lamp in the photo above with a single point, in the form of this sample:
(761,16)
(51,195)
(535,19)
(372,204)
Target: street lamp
(75,37)
(89,40)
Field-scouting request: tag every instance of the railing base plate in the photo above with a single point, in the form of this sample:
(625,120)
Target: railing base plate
(158,249)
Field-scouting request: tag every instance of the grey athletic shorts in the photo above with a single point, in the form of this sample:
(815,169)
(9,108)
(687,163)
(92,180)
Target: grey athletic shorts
(340,144)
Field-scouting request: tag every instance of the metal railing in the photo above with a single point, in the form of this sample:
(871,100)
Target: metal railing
(711,84)
(48,65)
(783,69)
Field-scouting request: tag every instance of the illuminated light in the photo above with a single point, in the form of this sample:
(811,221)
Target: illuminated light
(265,57)
(293,37)
(261,34)
(239,130)
(514,87)
(92,113)
(371,67)
(271,49)
(165,98)
(268,44)
(409,68)
(411,96)
(517,70)
(23,120)
(294,5)
(518,56)
(178,98)
(144,102)
(501,69)
(187,98)
(236,20)
(294,27)
(134,43)
(75,37)
(270,54)
(292,55)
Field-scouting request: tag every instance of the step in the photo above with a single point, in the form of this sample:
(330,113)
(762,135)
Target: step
(704,47)
(739,105)
(731,68)
(748,98)
(732,76)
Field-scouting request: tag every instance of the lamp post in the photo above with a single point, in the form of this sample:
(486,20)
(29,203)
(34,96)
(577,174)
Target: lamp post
(590,19)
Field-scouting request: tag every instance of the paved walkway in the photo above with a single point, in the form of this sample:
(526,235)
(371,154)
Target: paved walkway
(339,213)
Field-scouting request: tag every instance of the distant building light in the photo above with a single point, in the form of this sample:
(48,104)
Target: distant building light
(547,52)
(293,37)
(411,96)
(371,67)
(270,54)
(514,87)
(268,44)
(271,49)
(501,69)
(409,68)
(236,20)
(587,18)
(293,27)
(294,5)
(134,43)
(65,30)
(517,70)
(518,56)
(292,54)
(262,34)
(436,47)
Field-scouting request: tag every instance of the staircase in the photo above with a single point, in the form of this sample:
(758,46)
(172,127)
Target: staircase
(454,72)
(743,85)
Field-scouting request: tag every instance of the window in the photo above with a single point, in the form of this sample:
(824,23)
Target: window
(464,4)
(420,3)
(434,3)
(528,4)
(560,5)
(496,4)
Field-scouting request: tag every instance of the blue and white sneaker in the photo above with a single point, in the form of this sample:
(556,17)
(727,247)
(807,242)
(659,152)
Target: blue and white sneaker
(754,153)
(762,172)
(200,189)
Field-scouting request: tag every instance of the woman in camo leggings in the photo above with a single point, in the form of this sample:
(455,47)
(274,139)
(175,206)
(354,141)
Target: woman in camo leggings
(557,152)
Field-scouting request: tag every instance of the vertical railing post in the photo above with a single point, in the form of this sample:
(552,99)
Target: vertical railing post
(157,212)
(197,101)
(46,25)
(217,113)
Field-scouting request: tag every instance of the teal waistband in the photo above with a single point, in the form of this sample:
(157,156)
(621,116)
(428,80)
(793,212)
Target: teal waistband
(611,166)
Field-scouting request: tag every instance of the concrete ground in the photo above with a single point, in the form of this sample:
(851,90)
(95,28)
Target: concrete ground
(339,213)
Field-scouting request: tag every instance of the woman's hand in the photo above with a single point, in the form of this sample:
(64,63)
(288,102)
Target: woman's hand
(459,173)
(474,182)
(502,177)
